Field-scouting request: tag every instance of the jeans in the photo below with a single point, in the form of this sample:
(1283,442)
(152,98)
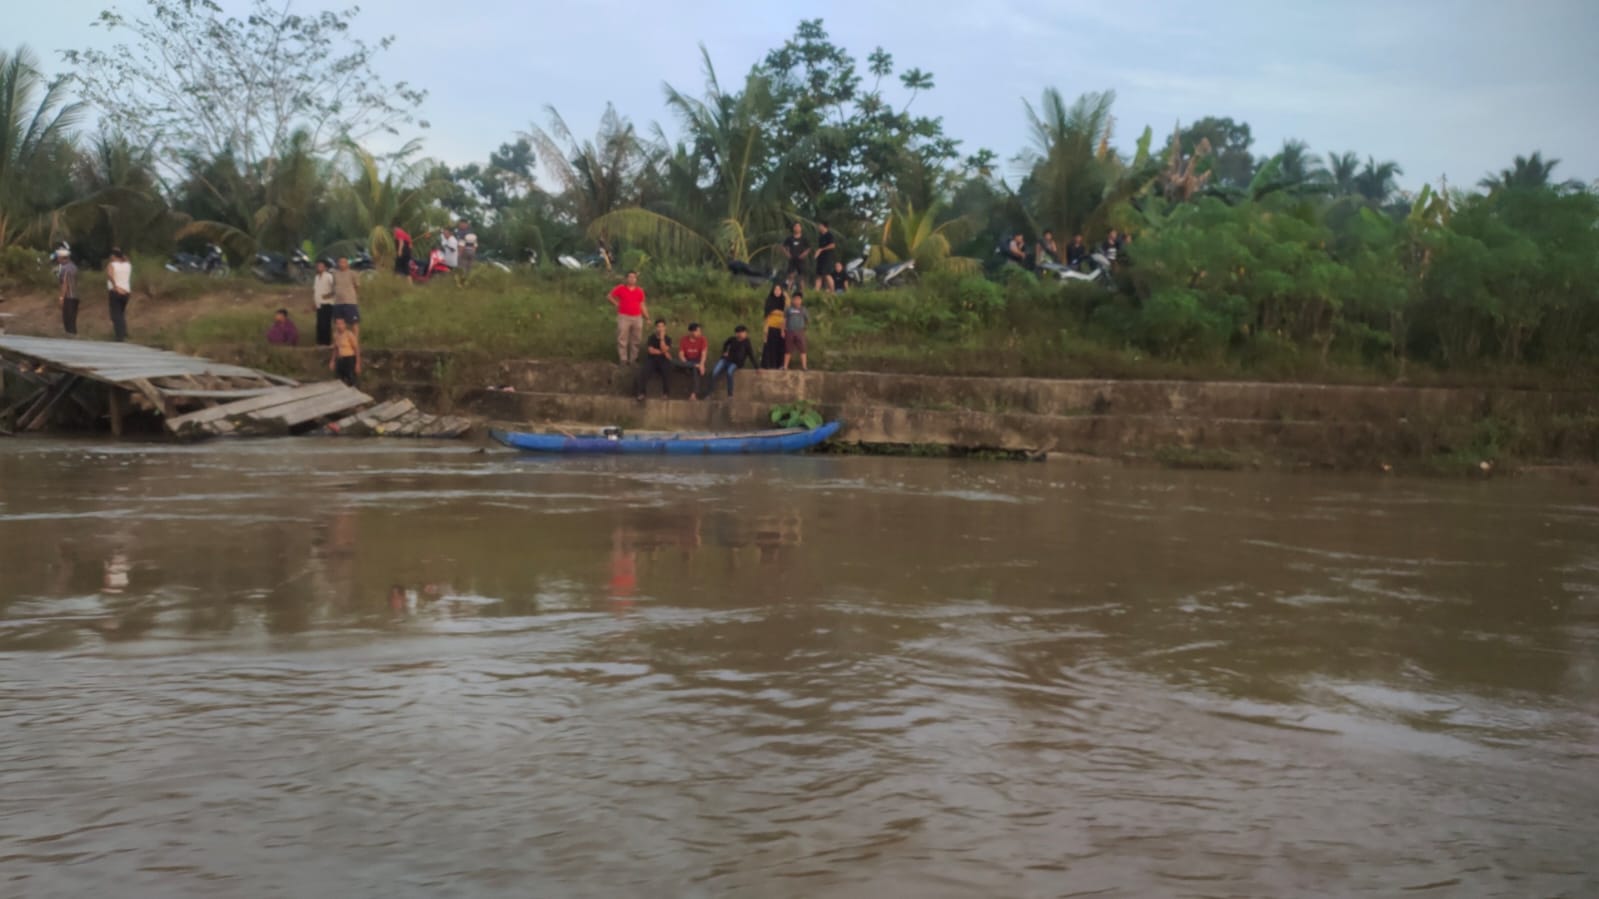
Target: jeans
(723,367)
(119,315)
(69,315)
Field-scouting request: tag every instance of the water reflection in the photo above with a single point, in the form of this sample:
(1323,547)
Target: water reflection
(902,677)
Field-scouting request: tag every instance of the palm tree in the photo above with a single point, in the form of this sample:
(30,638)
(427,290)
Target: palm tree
(1070,159)
(1299,166)
(596,176)
(1528,172)
(120,202)
(909,233)
(1376,181)
(1342,170)
(270,205)
(372,202)
(35,121)
(723,186)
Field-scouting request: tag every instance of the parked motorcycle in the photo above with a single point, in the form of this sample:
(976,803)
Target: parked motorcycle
(295,268)
(749,274)
(211,263)
(1098,272)
(579,263)
(887,274)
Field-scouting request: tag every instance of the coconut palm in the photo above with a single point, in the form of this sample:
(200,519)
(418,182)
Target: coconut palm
(909,233)
(598,175)
(371,202)
(722,186)
(271,205)
(1376,180)
(1342,170)
(120,201)
(35,121)
(1530,172)
(1070,163)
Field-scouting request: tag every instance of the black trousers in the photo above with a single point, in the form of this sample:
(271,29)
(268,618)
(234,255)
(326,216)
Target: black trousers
(324,325)
(772,351)
(69,315)
(344,367)
(693,369)
(119,315)
(654,366)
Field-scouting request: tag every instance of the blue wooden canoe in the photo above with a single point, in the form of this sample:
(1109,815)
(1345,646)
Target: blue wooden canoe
(792,440)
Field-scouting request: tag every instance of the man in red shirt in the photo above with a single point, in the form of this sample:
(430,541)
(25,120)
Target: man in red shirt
(628,298)
(691,355)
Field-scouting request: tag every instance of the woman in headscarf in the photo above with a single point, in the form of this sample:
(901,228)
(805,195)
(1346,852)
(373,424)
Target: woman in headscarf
(772,350)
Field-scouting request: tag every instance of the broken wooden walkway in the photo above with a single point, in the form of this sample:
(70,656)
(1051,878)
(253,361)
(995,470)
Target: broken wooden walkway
(194,397)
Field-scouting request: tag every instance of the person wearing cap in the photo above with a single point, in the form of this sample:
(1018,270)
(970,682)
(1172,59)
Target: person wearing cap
(67,276)
(119,289)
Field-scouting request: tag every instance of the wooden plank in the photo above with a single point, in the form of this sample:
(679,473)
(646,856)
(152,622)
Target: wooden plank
(221,394)
(291,414)
(114,404)
(36,417)
(254,404)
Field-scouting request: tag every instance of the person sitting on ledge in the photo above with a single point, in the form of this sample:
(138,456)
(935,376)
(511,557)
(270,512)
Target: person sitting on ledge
(283,332)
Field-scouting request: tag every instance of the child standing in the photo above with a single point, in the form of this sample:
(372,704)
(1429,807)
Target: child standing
(795,319)
(346,360)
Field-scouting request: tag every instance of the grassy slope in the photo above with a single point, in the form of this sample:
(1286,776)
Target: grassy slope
(934,329)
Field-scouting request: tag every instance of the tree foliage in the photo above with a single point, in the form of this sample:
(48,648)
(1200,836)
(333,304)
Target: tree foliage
(195,82)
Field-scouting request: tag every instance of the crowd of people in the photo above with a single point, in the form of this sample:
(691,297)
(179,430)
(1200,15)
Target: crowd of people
(786,324)
(1077,255)
(119,290)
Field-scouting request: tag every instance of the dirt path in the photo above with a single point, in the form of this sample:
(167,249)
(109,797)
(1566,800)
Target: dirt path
(152,314)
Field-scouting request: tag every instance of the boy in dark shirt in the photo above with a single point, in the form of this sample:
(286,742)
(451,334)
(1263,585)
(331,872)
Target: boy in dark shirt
(1076,251)
(795,321)
(796,248)
(657,360)
(691,355)
(736,353)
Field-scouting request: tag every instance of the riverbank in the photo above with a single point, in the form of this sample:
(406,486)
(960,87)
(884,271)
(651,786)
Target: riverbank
(487,371)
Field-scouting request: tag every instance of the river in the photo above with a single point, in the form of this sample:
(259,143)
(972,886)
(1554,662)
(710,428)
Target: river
(302,668)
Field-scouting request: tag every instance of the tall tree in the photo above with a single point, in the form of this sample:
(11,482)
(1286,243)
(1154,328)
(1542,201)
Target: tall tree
(35,121)
(1377,181)
(1229,141)
(1342,170)
(194,81)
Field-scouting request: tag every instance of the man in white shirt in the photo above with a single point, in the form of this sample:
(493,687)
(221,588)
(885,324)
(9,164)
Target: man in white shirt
(119,288)
(322,303)
(451,249)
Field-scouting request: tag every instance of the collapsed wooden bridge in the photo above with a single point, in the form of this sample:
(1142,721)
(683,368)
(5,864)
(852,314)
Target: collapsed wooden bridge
(194,397)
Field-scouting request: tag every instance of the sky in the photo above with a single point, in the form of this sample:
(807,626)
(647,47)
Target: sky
(1452,88)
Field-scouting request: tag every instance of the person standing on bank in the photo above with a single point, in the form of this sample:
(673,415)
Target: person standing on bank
(404,252)
(631,310)
(825,260)
(346,360)
(67,274)
(322,303)
(772,349)
(796,248)
(119,289)
(346,297)
(795,321)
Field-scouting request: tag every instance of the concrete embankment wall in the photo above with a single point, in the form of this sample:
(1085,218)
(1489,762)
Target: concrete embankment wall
(1325,425)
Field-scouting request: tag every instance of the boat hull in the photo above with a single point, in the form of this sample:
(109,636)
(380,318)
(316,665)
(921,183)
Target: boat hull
(669,445)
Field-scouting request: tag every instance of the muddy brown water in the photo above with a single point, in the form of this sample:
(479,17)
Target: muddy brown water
(296,668)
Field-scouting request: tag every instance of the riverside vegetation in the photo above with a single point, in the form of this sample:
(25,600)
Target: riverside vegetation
(1283,265)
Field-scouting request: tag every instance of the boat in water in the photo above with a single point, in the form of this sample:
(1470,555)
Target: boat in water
(613,441)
